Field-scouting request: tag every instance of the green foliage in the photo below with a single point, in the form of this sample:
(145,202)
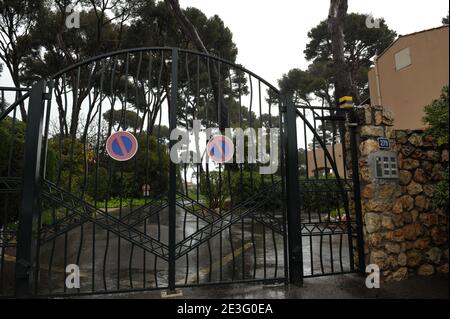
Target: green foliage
(125,118)
(298,84)
(241,116)
(48,45)
(74,165)
(12,145)
(317,191)
(445,20)
(155,25)
(149,166)
(436,115)
(98,183)
(441,193)
(66,164)
(236,188)
(161,133)
(337,212)
(17,20)
(215,189)
(56,46)
(12,137)
(361,44)
(306,86)
(116,202)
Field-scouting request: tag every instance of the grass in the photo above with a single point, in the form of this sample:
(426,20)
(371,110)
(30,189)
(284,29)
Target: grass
(115,202)
(50,215)
(335,212)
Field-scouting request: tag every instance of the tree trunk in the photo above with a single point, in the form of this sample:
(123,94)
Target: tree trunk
(16,81)
(336,20)
(191,32)
(189,29)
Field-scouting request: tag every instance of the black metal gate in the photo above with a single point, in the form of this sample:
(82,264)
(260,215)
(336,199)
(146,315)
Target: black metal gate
(152,222)
(329,190)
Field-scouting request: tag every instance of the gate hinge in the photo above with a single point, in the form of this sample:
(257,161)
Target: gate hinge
(47,96)
(283,109)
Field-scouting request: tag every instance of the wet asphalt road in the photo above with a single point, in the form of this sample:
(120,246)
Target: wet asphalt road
(242,252)
(245,251)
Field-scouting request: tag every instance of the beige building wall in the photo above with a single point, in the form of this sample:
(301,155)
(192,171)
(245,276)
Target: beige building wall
(320,159)
(408,90)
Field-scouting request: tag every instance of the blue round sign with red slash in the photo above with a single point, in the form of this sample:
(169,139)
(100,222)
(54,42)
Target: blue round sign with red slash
(220,149)
(122,146)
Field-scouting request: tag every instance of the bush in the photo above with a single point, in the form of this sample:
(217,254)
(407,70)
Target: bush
(11,142)
(127,178)
(437,116)
(238,188)
(315,191)
(441,193)
(11,147)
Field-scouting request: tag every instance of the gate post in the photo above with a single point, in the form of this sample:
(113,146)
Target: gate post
(173,171)
(30,192)
(292,193)
(353,125)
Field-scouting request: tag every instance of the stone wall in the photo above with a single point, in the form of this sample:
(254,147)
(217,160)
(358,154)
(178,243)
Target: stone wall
(403,233)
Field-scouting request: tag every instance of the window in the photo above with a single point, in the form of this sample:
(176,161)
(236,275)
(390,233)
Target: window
(402,59)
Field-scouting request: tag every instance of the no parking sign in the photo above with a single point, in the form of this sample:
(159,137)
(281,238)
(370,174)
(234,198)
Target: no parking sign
(122,146)
(220,149)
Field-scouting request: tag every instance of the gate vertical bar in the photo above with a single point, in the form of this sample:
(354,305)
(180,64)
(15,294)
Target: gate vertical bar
(30,192)
(292,194)
(356,190)
(173,171)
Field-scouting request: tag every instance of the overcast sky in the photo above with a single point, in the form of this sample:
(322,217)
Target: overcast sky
(271,35)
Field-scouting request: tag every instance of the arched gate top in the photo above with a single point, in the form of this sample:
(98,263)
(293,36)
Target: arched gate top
(144,49)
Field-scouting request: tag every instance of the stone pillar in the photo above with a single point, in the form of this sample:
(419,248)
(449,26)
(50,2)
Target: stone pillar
(403,233)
